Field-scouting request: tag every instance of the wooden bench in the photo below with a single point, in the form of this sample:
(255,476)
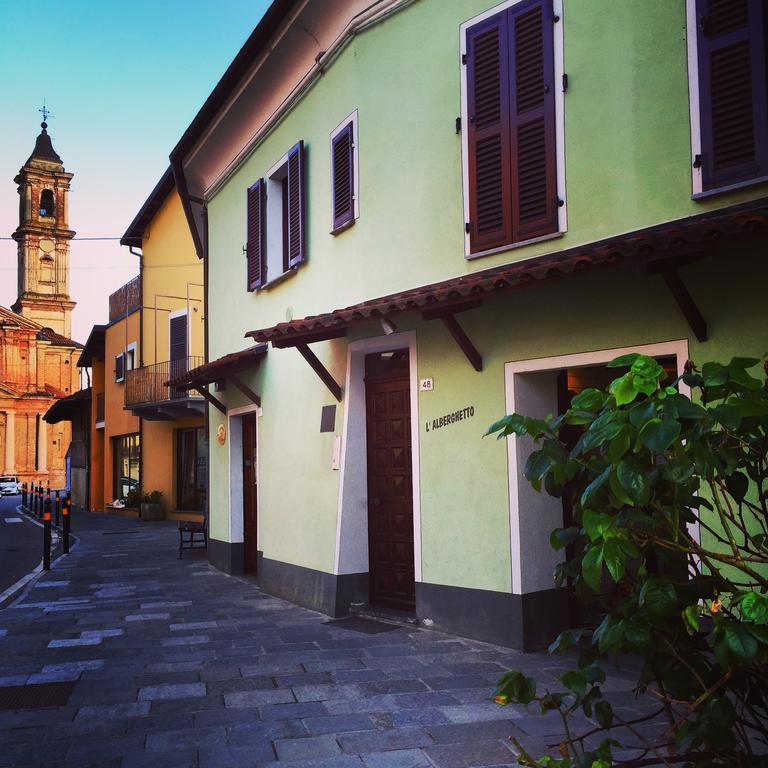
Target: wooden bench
(193,528)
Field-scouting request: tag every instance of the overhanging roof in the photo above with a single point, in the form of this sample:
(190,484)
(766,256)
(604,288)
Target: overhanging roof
(68,407)
(220,369)
(136,229)
(665,242)
(94,346)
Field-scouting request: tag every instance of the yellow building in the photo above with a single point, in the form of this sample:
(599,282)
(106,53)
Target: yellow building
(174,448)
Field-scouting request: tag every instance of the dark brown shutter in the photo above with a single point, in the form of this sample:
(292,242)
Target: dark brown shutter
(178,350)
(488,140)
(255,253)
(296,213)
(532,115)
(732,91)
(343,173)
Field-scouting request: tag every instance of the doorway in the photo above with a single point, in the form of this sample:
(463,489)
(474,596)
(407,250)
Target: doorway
(250,521)
(390,480)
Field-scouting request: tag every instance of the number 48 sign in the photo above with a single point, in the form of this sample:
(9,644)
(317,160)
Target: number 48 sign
(426,385)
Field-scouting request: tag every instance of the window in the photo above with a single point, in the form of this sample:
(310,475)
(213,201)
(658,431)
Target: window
(191,468)
(46,203)
(126,453)
(130,357)
(729,95)
(276,221)
(513,160)
(344,175)
(46,269)
(119,367)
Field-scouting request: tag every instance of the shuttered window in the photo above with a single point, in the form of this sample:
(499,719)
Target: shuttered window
(119,367)
(511,155)
(296,217)
(733,99)
(254,249)
(343,175)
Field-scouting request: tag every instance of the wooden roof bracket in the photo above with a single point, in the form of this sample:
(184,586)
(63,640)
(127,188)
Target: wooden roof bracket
(668,270)
(214,401)
(246,390)
(448,318)
(320,370)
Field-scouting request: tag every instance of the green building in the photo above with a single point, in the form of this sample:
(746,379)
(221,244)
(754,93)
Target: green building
(417,215)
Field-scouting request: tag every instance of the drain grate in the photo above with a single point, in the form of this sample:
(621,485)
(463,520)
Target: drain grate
(36,696)
(361,624)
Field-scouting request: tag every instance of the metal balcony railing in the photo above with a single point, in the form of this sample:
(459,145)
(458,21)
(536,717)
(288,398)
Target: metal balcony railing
(147,384)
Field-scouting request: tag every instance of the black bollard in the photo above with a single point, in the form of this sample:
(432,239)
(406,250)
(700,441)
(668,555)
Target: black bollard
(24,495)
(66,521)
(40,500)
(34,500)
(56,520)
(47,536)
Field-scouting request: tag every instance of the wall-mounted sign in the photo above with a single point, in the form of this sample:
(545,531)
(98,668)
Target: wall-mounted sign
(221,434)
(450,418)
(426,385)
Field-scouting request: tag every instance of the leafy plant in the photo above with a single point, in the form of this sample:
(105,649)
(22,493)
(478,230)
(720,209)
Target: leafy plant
(153,497)
(133,497)
(670,538)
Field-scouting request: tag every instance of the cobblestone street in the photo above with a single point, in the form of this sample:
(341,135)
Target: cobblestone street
(177,664)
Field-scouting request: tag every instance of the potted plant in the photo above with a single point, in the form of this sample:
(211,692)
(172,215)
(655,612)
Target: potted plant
(152,506)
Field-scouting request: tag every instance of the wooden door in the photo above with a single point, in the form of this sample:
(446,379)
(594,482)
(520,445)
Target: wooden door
(390,489)
(249,493)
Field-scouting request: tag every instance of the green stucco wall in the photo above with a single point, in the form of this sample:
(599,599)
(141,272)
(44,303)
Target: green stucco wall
(627,147)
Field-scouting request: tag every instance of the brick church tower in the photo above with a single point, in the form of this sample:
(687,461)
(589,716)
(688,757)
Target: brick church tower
(43,237)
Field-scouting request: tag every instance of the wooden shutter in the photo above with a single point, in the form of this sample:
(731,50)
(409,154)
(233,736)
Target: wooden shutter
(732,91)
(488,139)
(532,115)
(343,173)
(255,252)
(119,367)
(178,351)
(296,204)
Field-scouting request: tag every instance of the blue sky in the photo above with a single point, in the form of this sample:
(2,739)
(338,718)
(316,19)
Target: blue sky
(122,80)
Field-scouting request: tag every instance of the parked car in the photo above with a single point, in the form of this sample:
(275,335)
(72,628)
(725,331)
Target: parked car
(9,485)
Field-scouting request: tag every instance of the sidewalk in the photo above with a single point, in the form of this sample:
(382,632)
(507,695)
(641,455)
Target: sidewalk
(176,664)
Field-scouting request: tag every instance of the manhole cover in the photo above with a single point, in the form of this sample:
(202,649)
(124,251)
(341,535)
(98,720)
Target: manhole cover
(360,624)
(36,696)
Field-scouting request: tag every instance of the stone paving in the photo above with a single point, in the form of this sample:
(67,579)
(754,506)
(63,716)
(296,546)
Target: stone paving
(177,664)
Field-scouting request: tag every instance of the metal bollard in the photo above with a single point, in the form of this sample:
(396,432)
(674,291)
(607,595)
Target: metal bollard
(34,500)
(47,536)
(24,495)
(40,500)
(56,520)
(66,520)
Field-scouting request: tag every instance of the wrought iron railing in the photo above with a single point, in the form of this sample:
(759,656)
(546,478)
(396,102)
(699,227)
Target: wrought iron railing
(148,383)
(125,299)
(99,407)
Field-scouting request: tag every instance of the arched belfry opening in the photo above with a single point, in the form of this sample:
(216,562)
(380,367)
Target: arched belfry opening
(47,203)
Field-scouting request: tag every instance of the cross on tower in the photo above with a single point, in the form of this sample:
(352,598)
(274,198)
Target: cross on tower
(45,112)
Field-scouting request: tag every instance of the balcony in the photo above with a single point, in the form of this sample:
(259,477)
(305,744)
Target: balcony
(148,396)
(124,300)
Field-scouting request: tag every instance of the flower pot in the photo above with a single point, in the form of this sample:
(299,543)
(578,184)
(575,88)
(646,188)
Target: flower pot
(152,511)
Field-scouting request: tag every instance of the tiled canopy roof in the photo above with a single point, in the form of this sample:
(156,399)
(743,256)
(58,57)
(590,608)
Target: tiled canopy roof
(219,369)
(67,407)
(668,241)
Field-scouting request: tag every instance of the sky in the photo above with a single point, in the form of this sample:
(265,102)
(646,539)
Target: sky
(122,80)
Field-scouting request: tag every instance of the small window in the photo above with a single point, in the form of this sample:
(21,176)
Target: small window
(130,357)
(119,367)
(729,93)
(344,175)
(46,203)
(46,269)
(276,221)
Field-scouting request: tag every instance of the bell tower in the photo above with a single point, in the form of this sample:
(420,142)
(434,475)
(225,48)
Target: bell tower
(43,237)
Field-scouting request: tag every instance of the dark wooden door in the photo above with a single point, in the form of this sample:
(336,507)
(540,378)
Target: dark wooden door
(249,493)
(178,351)
(390,488)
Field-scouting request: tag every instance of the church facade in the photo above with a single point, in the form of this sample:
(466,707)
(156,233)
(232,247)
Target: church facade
(38,359)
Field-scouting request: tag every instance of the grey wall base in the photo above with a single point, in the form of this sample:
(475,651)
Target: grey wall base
(226,556)
(524,622)
(324,592)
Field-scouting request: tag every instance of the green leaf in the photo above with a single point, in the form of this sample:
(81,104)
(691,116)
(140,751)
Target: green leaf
(647,368)
(562,537)
(595,486)
(715,375)
(657,436)
(604,714)
(754,607)
(565,640)
(741,643)
(691,618)
(592,567)
(619,445)
(633,482)
(740,376)
(595,523)
(536,467)
(618,491)
(658,597)
(516,687)
(727,415)
(624,389)
(589,399)
(737,485)
(575,681)
(615,559)
(623,361)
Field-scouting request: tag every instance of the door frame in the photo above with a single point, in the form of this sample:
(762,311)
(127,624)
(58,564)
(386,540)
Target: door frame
(519,382)
(352,516)
(235,471)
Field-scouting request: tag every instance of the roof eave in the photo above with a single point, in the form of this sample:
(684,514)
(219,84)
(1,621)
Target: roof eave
(134,235)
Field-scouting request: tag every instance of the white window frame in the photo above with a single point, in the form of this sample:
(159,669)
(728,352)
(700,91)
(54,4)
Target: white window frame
(130,348)
(694,104)
(122,378)
(559,63)
(273,224)
(355,168)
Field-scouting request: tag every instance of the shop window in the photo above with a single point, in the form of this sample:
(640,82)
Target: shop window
(127,464)
(191,468)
